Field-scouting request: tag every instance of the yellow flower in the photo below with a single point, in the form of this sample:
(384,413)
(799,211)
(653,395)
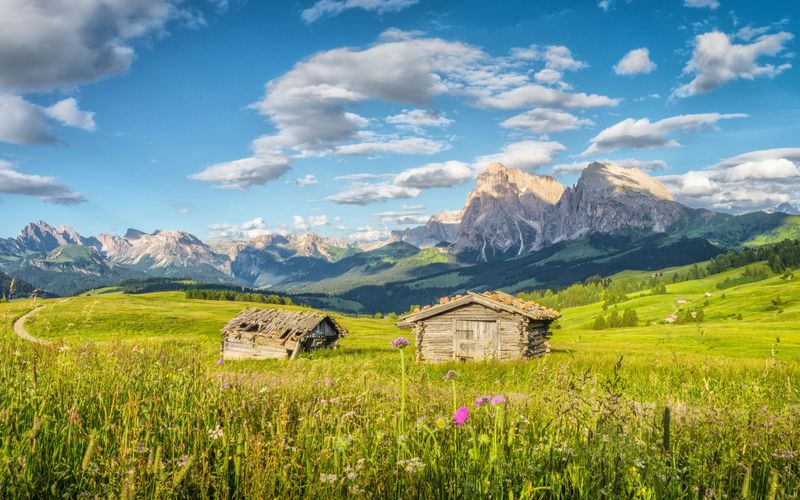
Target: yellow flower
(441,422)
(633,469)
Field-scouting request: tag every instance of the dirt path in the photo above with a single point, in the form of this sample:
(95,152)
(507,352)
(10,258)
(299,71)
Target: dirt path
(19,328)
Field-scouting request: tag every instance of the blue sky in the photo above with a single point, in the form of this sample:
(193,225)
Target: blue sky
(355,117)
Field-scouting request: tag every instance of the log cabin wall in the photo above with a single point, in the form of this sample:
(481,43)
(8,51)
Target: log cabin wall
(517,336)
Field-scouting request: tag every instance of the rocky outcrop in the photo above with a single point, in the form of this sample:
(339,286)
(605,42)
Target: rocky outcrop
(611,199)
(441,228)
(42,237)
(506,214)
(784,208)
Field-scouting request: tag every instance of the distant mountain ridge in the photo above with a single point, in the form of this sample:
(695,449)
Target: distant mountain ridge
(510,216)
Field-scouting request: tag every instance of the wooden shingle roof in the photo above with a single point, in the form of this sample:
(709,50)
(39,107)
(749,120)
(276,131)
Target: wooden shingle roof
(279,324)
(494,300)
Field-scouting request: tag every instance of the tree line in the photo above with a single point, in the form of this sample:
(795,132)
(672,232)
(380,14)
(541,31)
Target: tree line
(260,298)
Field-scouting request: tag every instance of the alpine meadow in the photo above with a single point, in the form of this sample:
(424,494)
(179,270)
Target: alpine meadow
(399,249)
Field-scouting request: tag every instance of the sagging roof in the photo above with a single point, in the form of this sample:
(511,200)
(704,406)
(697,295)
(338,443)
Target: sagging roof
(494,300)
(279,324)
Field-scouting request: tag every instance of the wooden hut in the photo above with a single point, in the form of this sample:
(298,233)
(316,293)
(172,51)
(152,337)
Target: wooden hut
(491,325)
(277,333)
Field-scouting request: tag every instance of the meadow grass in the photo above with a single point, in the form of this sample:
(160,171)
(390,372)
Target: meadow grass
(129,401)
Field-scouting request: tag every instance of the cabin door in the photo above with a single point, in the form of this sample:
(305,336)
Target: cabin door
(476,340)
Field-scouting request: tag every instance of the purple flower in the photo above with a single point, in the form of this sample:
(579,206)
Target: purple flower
(328,381)
(400,342)
(482,401)
(220,361)
(420,421)
(461,415)
(183,461)
(450,375)
(226,385)
(498,400)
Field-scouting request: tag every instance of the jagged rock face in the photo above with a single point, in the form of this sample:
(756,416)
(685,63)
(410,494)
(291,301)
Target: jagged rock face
(162,249)
(784,208)
(440,228)
(609,199)
(314,245)
(506,214)
(42,237)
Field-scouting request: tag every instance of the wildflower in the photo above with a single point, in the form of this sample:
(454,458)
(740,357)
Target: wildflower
(451,374)
(328,381)
(220,361)
(482,401)
(400,342)
(483,439)
(216,432)
(420,421)
(461,416)
(184,461)
(226,385)
(441,422)
(349,414)
(498,400)
(412,465)
(351,476)
(633,469)
(327,478)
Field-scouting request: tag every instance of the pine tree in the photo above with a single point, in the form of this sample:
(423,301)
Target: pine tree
(599,323)
(614,321)
(630,318)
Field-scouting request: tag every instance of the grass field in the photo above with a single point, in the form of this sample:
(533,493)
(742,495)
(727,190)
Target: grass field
(130,402)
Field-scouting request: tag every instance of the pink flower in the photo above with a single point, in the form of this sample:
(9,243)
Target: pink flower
(400,342)
(461,416)
(328,381)
(219,361)
(497,400)
(450,375)
(482,401)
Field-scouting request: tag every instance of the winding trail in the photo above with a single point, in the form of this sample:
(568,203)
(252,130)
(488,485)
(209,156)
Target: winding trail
(19,328)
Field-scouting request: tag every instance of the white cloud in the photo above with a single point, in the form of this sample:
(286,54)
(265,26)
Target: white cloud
(522,155)
(368,233)
(403,218)
(245,231)
(750,181)
(644,134)
(537,95)
(331,8)
(22,122)
(244,173)
(635,62)
(699,4)
(578,167)
(417,118)
(364,194)
(410,145)
(559,57)
(544,120)
(305,223)
(47,189)
(446,174)
(716,60)
(67,112)
(306,180)
(548,76)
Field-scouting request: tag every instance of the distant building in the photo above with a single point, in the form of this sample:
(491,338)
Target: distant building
(672,318)
(681,300)
(708,295)
(491,325)
(278,333)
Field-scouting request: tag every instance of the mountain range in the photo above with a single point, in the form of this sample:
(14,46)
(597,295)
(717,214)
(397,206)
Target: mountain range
(515,231)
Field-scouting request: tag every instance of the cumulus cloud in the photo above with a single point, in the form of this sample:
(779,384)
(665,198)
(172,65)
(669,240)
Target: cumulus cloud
(635,62)
(47,189)
(522,155)
(446,174)
(545,120)
(68,113)
(579,166)
(22,122)
(750,181)
(245,231)
(716,60)
(410,145)
(364,194)
(418,118)
(306,180)
(331,8)
(364,234)
(702,4)
(244,173)
(644,134)
(538,95)
(305,223)
(403,218)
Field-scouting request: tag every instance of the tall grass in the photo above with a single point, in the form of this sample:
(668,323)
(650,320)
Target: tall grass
(158,421)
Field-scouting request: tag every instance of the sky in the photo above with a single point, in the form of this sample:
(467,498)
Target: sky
(351,118)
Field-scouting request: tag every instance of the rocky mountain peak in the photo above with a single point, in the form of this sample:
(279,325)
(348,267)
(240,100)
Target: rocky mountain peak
(784,208)
(40,236)
(499,181)
(446,217)
(603,179)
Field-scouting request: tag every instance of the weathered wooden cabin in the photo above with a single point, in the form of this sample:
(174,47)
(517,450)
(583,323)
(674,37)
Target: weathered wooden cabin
(491,325)
(277,333)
